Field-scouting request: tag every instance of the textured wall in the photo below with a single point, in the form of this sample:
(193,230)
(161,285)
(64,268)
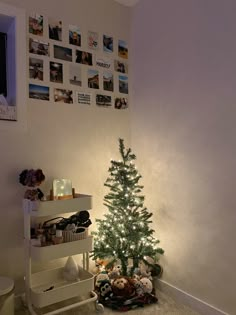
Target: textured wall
(183,131)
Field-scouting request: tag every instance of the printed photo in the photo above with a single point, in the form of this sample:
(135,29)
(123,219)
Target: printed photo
(36,69)
(103,100)
(74,35)
(122,49)
(64,96)
(103,63)
(107,43)
(55,29)
(39,92)
(121,103)
(93,79)
(123,84)
(84,57)
(84,98)
(108,82)
(121,66)
(92,40)
(62,53)
(38,47)
(75,75)
(36,24)
(56,72)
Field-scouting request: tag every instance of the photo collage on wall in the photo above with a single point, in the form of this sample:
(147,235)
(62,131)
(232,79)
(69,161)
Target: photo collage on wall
(69,65)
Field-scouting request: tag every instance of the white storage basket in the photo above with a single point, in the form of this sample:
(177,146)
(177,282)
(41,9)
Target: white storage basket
(69,236)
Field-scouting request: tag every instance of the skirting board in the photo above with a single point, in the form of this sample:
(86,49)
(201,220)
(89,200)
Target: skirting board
(187,299)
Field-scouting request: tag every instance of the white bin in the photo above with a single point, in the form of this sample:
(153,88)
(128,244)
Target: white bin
(6,296)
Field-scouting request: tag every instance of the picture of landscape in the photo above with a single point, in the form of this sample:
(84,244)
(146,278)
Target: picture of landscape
(64,96)
(38,47)
(36,69)
(123,84)
(36,24)
(56,72)
(63,53)
(93,79)
(75,75)
(107,43)
(120,66)
(39,92)
(74,35)
(122,49)
(108,83)
(55,29)
(103,100)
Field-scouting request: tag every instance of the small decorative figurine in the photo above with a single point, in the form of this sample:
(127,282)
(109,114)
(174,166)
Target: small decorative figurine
(32,178)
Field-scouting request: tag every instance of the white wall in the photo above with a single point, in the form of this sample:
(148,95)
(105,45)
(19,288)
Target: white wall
(183,131)
(65,140)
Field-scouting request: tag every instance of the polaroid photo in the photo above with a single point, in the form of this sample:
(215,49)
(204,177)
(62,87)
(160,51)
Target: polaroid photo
(37,47)
(63,96)
(55,29)
(74,35)
(62,53)
(39,92)
(93,79)
(56,72)
(108,81)
(122,49)
(36,24)
(36,69)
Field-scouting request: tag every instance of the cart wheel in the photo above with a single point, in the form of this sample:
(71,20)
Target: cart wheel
(99,307)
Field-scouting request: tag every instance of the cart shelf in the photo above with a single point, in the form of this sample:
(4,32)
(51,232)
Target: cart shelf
(51,252)
(50,207)
(60,288)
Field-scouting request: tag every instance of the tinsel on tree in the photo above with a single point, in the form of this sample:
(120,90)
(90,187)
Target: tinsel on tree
(125,234)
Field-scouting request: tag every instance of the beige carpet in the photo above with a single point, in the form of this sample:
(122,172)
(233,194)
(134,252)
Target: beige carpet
(165,306)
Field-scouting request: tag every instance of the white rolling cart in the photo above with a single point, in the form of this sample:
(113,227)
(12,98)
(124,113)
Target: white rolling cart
(38,294)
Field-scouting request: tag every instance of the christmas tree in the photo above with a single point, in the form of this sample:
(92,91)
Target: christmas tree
(125,234)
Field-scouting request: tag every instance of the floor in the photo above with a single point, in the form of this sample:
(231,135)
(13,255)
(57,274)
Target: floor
(165,306)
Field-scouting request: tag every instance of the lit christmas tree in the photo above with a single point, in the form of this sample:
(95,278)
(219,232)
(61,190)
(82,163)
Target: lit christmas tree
(125,234)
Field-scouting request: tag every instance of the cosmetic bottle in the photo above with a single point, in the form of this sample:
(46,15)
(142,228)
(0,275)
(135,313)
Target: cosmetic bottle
(58,238)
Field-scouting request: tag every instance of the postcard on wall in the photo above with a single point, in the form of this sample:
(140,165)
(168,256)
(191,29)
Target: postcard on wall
(92,40)
(55,29)
(121,102)
(108,82)
(36,24)
(64,96)
(84,57)
(39,92)
(36,69)
(121,66)
(103,100)
(123,84)
(93,79)
(122,49)
(56,72)
(75,75)
(63,53)
(84,98)
(74,35)
(103,62)
(107,43)
(38,47)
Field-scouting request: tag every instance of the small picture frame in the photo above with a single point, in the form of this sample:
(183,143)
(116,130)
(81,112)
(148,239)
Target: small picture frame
(62,189)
